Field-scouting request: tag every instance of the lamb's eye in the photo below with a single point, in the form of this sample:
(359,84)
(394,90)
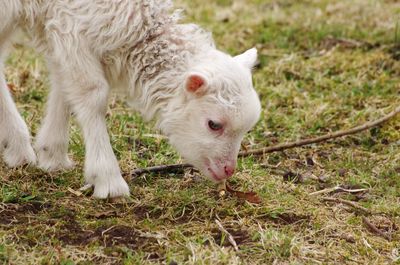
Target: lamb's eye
(215,126)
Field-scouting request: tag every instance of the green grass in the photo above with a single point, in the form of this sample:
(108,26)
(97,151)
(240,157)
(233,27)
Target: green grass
(324,66)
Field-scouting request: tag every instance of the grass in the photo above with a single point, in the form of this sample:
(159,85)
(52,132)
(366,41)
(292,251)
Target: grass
(324,65)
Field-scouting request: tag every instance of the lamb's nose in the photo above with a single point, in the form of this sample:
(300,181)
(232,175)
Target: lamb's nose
(229,169)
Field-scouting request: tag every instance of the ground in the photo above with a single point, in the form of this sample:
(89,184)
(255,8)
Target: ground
(324,66)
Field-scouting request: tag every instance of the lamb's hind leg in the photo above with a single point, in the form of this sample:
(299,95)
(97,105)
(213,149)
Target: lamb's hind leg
(52,140)
(14,135)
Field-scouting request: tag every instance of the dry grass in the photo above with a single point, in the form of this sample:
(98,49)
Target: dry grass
(324,65)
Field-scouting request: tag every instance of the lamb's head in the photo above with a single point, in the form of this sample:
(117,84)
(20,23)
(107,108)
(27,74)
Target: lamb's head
(217,106)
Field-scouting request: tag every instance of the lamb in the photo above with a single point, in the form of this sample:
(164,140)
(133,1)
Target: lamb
(202,99)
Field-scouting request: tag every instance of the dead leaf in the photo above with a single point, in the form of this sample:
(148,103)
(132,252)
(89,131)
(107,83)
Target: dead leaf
(12,87)
(250,196)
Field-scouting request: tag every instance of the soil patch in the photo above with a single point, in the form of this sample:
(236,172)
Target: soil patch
(72,233)
(15,213)
(147,212)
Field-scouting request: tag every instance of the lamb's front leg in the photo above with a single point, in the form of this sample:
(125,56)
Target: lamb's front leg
(86,91)
(101,166)
(52,140)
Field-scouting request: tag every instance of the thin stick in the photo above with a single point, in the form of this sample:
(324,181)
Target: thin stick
(230,237)
(337,188)
(374,229)
(279,147)
(322,138)
(162,168)
(349,203)
(108,230)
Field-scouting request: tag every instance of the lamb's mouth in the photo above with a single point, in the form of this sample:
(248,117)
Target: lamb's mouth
(214,176)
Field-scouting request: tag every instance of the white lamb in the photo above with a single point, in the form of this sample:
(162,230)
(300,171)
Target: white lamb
(201,98)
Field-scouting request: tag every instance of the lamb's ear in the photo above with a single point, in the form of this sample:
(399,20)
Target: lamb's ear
(196,84)
(248,58)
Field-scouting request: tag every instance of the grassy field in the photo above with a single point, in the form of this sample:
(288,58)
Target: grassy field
(324,66)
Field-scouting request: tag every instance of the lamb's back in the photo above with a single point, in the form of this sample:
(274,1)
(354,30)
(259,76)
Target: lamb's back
(102,25)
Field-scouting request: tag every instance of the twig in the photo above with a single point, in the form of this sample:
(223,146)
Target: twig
(75,192)
(349,203)
(337,188)
(374,229)
(322,138)
(108,230)
(162,168)
(230,237)
(279,147)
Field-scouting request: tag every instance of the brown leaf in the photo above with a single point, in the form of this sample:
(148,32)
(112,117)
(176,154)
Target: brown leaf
(12,87)
(250,196)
